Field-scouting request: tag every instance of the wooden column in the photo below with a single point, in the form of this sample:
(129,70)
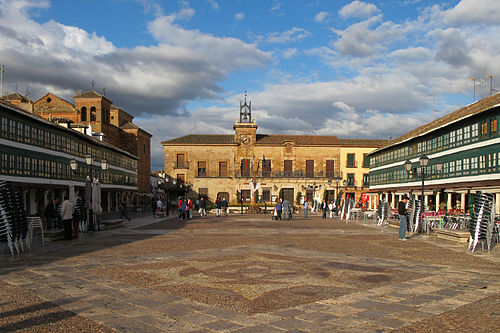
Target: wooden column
(438,198)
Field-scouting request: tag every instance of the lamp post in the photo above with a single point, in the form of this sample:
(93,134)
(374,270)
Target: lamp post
(89,159)
(424,162)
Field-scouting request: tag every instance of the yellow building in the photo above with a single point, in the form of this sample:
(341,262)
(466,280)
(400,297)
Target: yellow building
(286,166)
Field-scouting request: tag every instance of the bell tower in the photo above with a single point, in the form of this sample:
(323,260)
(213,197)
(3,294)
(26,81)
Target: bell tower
(245,128)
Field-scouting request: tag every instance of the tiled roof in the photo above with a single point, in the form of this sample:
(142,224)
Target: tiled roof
(462,113)
(264,139)
(15,96)
(89,94)
(203,139)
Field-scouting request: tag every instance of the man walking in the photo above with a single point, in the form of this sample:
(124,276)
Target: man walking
(285,205)
(306,206)
(67,210)
(331,208)
(218,204)
(51,213)
(203,207)
(403,217)
(225,205)
(324,207)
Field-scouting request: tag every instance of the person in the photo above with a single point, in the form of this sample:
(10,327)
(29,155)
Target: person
(218,205)
(190,209)
(331,208)
(225,205)
(197,204)
(123,211)
(306,206)
(203,207)
(403,217)
(67,210)
(184,208)
(51,213)
(159,205)
(324,207)
(278,208)
(179,205)
(153,206)
(285,205)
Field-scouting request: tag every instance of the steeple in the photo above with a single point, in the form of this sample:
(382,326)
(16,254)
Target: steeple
(246,111)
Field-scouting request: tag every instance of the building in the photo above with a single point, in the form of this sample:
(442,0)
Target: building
(286,166)
(113,125)
(466,141)
(35,158)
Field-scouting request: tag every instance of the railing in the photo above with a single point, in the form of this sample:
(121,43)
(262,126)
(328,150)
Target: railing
(273,174)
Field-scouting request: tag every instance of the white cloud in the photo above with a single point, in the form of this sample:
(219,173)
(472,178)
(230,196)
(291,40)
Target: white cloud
(276,6)
(358,9)
(214,4)
(320,17)
(289,36)
(479,12)
(239,16)
(290,52)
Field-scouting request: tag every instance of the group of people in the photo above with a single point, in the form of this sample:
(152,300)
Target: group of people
(331,207)
(282,207)
(221,206)
(65,217)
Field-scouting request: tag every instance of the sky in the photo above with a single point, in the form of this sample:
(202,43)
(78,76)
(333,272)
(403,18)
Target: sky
(355,69)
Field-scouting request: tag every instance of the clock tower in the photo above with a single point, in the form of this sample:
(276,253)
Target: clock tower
(245,128)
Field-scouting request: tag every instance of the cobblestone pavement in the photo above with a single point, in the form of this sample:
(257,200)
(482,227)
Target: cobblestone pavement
(249,274)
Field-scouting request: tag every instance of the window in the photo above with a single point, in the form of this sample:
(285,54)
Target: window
(466,134)
(203,192)
(350,179)
(330,168)
(459,136)
(266,168)
(474,163)
(366,180)
(181,161)
(351,163)
(310,168)
(288,148)
(452,138)
(202,169)
(484,130)
(266,194)
(84,114)
(366,159)
(466,164)
(452,168)
(475,128)
(245,167)
(459,166)
(287,167)
(493,127)
(181,178)
(223,172)
(482,162)
(93,114)
(245,196)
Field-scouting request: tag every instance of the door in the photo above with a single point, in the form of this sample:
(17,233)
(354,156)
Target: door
(245,196)
(289,194)
(310,168)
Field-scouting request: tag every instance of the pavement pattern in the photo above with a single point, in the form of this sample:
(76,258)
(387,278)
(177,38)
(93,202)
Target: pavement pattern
(246,273)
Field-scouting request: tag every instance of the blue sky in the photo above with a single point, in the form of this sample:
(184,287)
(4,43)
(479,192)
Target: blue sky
(359,69)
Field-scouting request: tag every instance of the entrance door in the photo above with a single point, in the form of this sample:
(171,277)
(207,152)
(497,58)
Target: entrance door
(245,196)
(288,194)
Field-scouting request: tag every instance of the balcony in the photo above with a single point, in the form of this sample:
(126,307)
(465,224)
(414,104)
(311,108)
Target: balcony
(352,165)
(271,174)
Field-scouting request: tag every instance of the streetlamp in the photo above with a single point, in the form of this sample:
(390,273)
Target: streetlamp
(424,162)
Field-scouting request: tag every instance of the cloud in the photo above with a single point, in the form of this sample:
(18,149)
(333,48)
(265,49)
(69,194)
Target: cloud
(320,17)
(289,53)
(478,12)
(289,36)
(239,16)
(214,4)
(276,7)
(358,9)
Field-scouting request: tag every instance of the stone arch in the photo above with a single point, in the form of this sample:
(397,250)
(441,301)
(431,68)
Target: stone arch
(93,114)
(83,112)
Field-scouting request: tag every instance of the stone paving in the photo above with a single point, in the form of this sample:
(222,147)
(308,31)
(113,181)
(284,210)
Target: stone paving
(250,274)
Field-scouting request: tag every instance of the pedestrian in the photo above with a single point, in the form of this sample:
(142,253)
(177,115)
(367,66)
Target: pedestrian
(190,209)
(51,213)
(203,207)
(331,208)
(197,204)
(184,209)
(285,205)
(324,207)
(179,206)
(218,205)
(159,205)
(278,208)
(67,210)
(123,212)
(306,206)
(153,206)
(225,205)
(403,217)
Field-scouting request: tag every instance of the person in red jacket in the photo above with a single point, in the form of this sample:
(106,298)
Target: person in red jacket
(190,204)
(180,208)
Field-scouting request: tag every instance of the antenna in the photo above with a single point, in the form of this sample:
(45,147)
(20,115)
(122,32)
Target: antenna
(27,90)
(104,91)
(92,84)
(2,69)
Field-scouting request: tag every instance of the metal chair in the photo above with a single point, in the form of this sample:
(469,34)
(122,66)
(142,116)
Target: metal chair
(33,222)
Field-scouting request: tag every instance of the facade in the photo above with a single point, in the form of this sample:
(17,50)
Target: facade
(115,126)
(286,166)
(466,141)
(35,156)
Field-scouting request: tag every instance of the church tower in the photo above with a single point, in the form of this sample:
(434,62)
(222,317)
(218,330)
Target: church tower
(245,128)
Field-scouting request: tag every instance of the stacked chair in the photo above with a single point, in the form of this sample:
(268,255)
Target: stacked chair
(382,212)
(13,222)
(482,220)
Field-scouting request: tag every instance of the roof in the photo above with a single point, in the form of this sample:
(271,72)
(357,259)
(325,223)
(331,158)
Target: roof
(55,96)
(15,96)
(61,128)
(265,139)
(91,94)
(470,110)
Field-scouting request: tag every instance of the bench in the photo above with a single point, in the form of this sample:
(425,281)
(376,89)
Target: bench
(111,224)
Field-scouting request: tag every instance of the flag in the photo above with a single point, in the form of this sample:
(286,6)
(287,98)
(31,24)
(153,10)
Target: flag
(264,163)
